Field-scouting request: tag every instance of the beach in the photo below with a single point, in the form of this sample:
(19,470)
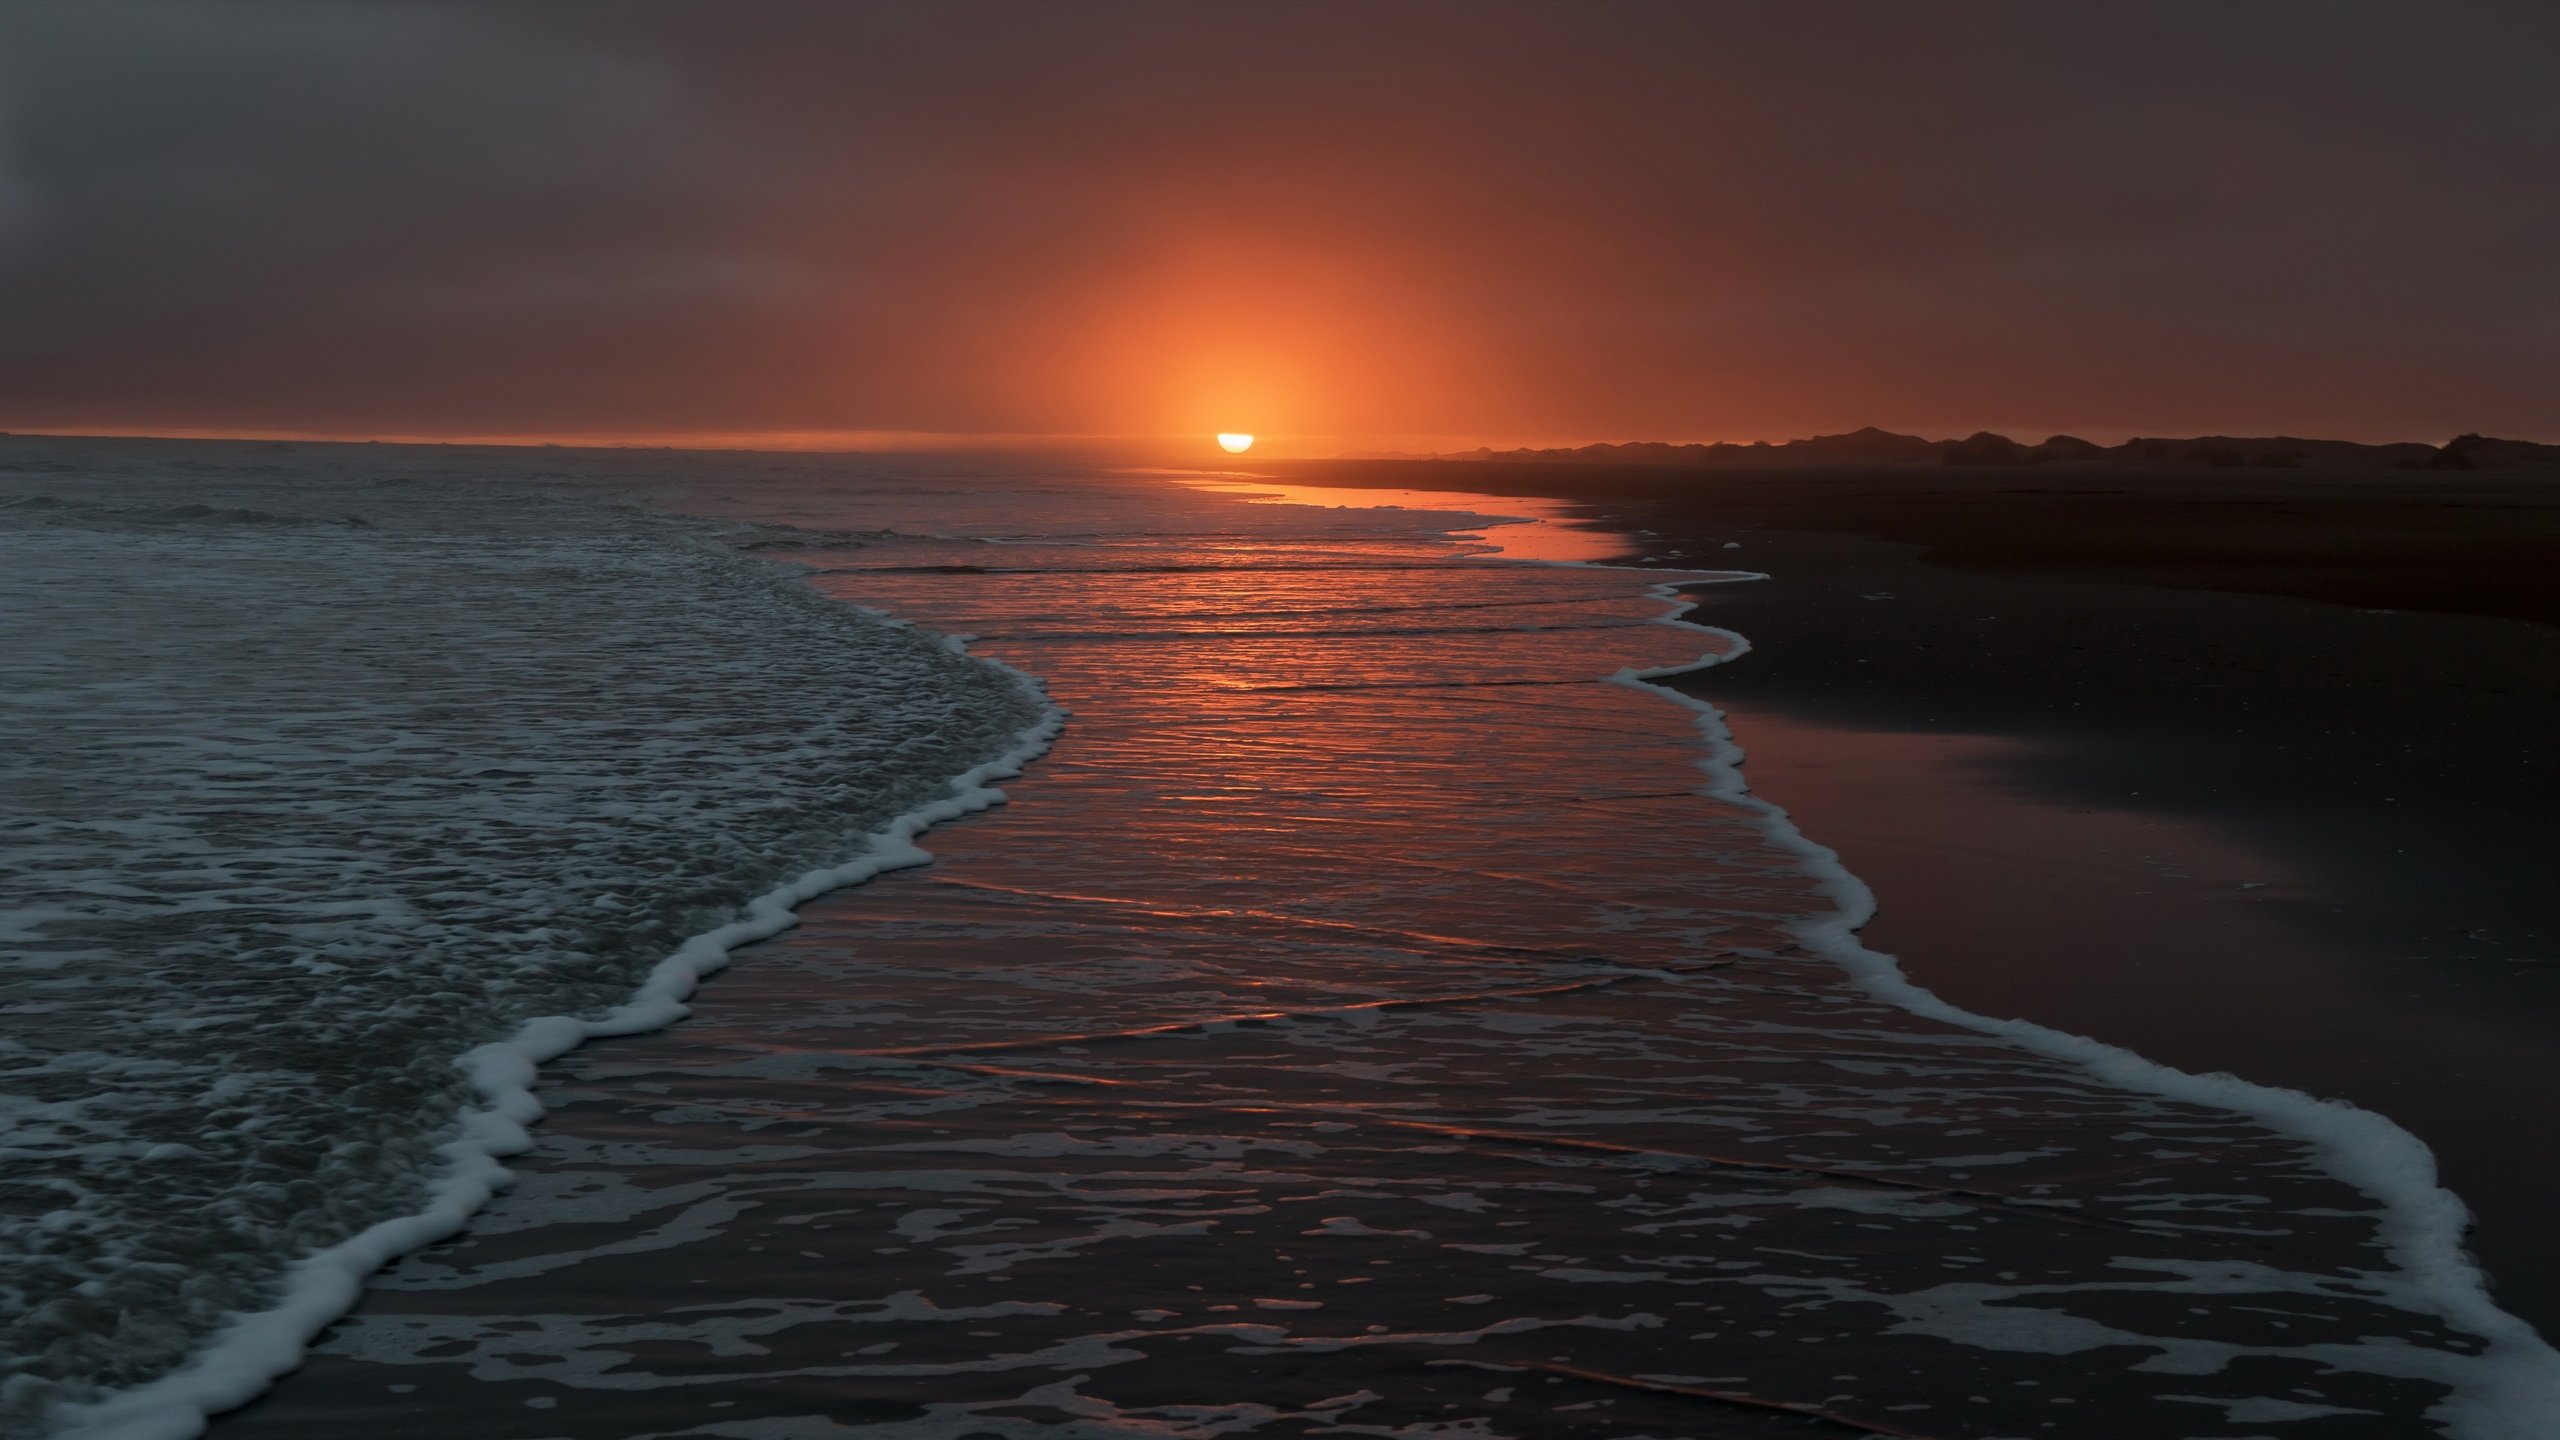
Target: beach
(2248,771)
(1464,720)
(1345,985)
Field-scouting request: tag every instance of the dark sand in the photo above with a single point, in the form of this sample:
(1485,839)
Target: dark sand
(1358,1023)
(2245,770)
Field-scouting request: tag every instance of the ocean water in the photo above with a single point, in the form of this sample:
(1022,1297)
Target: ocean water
(1382,1011)
(318,785)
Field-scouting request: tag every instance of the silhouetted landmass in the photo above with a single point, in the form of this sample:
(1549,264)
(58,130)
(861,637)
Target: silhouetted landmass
(1871,446)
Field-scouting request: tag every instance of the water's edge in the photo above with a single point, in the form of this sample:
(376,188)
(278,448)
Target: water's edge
(245,1357)
(2424,1229)
(2427,1223)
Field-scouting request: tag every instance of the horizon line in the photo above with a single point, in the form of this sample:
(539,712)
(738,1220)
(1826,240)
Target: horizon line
(1292,447)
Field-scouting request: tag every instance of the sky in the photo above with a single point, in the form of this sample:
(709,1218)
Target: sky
(1407,225)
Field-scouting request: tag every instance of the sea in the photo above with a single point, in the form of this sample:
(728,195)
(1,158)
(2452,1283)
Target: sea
(610,943)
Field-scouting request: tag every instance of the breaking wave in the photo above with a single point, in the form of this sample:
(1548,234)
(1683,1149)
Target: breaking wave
(308,808)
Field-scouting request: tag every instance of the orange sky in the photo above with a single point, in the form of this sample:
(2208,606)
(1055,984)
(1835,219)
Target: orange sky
(1406,226)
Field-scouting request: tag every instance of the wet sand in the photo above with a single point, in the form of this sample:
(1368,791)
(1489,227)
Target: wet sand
(2447,542)
(1362,1022)
(2244,771)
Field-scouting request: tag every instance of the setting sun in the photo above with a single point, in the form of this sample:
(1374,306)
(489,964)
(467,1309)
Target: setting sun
(1235,444)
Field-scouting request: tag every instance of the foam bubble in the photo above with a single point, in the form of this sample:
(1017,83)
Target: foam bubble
(2513,1393)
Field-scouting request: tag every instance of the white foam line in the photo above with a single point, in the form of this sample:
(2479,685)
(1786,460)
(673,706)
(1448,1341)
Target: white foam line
(247,1355)
(2514,1395)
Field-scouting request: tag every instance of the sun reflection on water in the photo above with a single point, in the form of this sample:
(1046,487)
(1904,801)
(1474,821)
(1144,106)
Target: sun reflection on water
(1365,1012)
(1519,527)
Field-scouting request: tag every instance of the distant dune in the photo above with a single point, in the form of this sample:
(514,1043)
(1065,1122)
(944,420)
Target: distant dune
(1872,446)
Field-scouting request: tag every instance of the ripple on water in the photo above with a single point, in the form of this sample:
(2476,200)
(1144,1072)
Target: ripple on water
(302,808)
(1362,1024)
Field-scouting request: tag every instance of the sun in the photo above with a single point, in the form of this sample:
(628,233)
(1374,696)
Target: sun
(1235,444)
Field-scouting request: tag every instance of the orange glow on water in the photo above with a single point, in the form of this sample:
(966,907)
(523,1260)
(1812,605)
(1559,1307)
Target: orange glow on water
(1525,528)
(1351,852)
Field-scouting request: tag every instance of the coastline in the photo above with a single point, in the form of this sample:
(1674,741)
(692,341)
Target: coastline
(2371,1151)
(761,1062)
(2096,783)
(245,1358)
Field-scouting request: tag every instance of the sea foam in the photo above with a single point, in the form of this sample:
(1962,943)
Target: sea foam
(317,797)
(2512,1392)
(1370,930)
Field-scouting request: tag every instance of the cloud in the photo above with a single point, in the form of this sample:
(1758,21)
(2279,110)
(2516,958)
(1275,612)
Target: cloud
(1560,221)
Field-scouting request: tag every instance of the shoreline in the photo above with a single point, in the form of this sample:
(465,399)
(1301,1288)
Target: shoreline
(2363,1147)
(254,1351)
(2460,543)
(803,1051)
(2302,842)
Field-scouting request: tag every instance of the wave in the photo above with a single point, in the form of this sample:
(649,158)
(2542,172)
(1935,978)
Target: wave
(321,813)
(1801,1131)
(252,1351)
(2514,1395)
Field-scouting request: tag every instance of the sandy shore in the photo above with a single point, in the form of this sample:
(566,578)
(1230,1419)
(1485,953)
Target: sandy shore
(1361,1019)
(2246,771)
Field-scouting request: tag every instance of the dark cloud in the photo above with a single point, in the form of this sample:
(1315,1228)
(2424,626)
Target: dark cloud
(1505,221)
